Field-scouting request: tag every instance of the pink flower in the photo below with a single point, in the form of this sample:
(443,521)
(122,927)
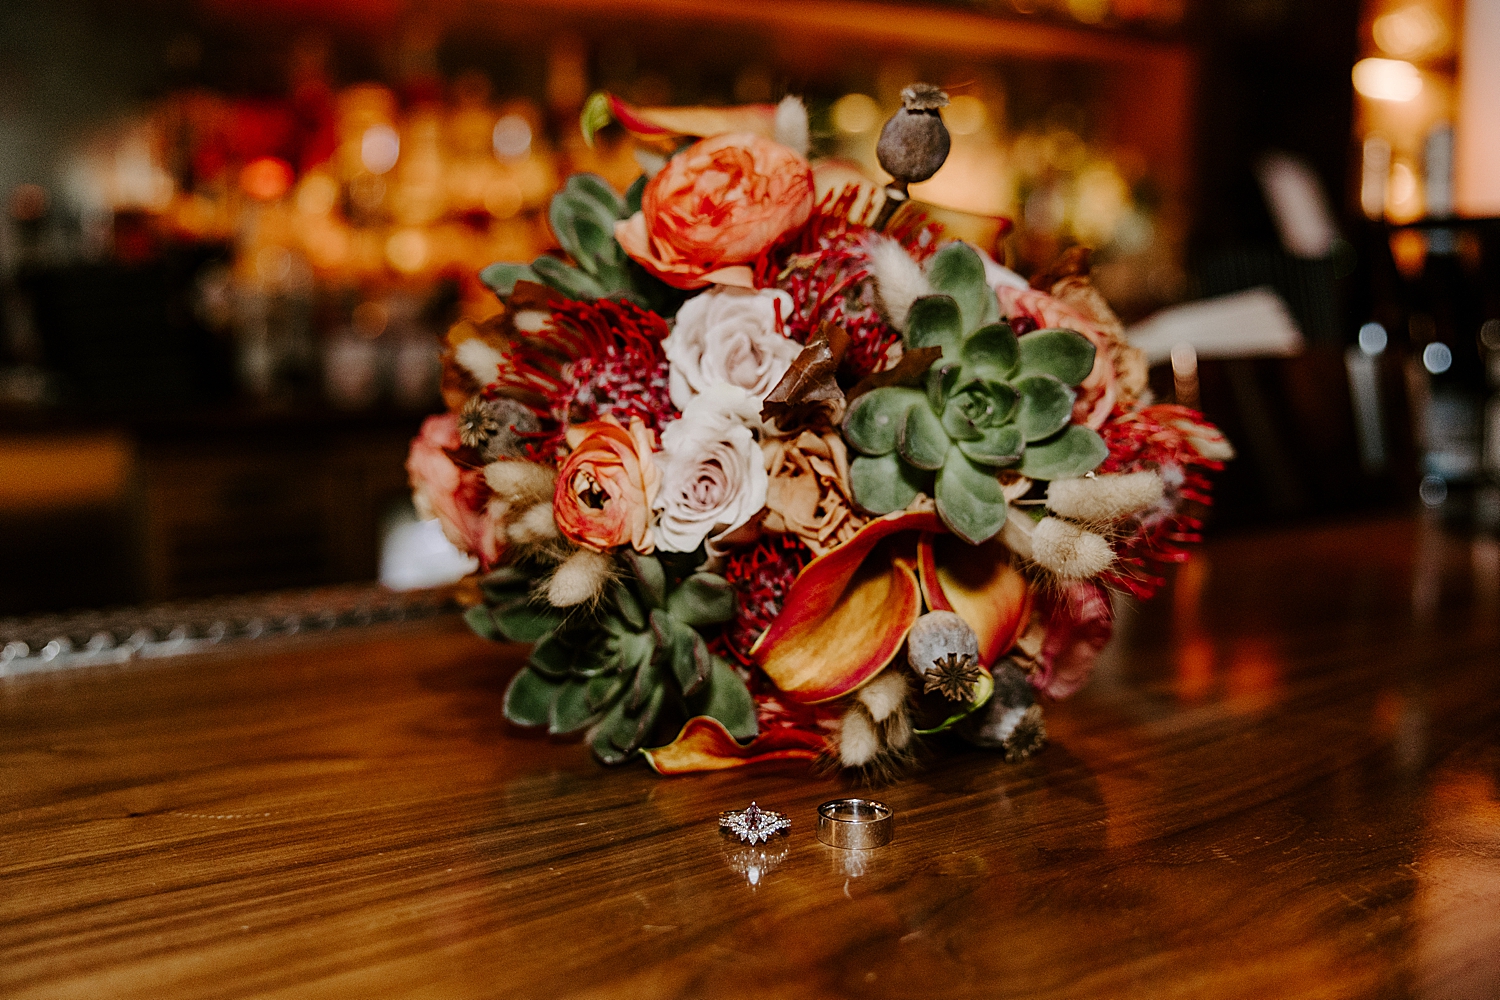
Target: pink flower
(1079,622)
(715,207)
(456,496)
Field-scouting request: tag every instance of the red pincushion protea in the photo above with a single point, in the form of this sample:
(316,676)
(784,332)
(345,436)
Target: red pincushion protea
(594,358)
(1159,438)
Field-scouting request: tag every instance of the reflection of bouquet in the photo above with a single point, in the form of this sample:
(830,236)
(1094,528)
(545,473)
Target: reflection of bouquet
(762,435)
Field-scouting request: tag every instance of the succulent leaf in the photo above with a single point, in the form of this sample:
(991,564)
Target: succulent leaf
(702,599)
(1065,354)
(502,278)
(614,725)
(628,737)
(726,698)
(922,441)
(976,407)
(648,678)
(956,270)
(969,499)
(1072,453)
(573,283)
(992,352)
(998,447)
(875,419)
(885,484)
(650,575)
(570,710)
(528,699)
(553,655)
(1046,405)
(601,691)
(629,606)
(940,383)
(935,321)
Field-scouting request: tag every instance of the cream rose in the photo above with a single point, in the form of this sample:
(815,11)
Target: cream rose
(713,478)
(730,335)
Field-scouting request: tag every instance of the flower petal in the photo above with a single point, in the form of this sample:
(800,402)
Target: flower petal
(697,121)
(846,615)
(705,745)
(977,583)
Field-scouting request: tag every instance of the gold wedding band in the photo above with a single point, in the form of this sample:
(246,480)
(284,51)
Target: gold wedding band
(856,824)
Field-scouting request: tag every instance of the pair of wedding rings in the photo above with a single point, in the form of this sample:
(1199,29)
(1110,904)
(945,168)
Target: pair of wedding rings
(848,824)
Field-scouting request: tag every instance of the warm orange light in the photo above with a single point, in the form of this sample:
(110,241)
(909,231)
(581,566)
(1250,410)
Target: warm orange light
(1387,79)
(1410,33)
(266,178)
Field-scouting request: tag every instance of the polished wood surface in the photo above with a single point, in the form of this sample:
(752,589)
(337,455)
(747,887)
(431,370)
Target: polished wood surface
(1284,781)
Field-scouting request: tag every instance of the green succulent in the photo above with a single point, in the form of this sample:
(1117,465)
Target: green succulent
(651,658)
(991,401)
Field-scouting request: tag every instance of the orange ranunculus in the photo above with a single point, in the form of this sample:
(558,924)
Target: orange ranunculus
(716,207)
(605,488)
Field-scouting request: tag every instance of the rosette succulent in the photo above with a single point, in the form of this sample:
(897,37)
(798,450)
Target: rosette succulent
(636,659)
(990,401)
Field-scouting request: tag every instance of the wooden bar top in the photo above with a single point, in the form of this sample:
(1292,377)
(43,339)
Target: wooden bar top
(1283,782)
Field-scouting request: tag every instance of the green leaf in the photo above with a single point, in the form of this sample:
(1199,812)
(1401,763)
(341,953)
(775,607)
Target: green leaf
(570,710)
(648,677)
(650,575)
(702,599)
(604,737)
(502,278)
(922,441)
(1072,453)
(628,738)
(607,206)
(935,321)
(633,196)
(554,655)
(970,500)
(941,381)
(483,623)
(976,407)
(683,649)
(999,446)
(1064,354)
(600,692)
(992,352)
(727,699)
(528,699)
(1046,406)
(886,484)
(956,270)
(628,652)
(569,280)
(875,419)
(523,621)
(984,688)
(595,115)
(629,605)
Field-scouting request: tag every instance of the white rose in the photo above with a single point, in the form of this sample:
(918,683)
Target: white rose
(730,335)
(713,475)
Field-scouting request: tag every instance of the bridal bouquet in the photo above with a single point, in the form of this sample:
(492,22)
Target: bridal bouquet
(765,469)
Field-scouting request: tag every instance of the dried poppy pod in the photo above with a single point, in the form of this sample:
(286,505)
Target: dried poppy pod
(913,144)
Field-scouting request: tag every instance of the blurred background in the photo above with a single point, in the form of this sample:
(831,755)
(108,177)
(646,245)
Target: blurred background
(235,230)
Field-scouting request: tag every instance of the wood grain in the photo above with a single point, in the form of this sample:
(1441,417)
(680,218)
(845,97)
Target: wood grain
(1284,781)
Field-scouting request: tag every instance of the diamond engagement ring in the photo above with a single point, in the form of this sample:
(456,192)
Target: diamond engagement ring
(753,825)
(856,824)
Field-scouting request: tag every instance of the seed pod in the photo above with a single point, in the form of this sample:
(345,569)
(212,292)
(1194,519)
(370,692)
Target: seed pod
(936,636)
(492,426)
(915,142)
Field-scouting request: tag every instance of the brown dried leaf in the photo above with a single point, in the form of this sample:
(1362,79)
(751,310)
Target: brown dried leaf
(1071,263)
(810,379)
(908,372)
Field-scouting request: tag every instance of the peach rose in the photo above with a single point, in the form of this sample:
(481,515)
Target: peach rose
(606,486)
(1119,374)
(456,496)
(808,493)
(716,207)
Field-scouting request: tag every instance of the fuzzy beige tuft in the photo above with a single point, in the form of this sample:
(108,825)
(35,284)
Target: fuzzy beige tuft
(898,729)
(520,483)
(1068,551)
(1019,527)
(580,579)
(899,280)
(791,124)
(534,527)
(859,741)
(1104,498)
(478,359)
(884,694)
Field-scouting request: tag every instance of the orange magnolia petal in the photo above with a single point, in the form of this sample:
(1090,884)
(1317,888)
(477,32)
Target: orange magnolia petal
(846,615)
(979,584)
(699,121)
(705,745)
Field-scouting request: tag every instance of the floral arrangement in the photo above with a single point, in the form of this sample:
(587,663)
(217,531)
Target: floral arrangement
(765,469)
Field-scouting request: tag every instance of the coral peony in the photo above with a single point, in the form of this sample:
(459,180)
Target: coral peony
(456,496)
(716,207)
(606,486)
(730,335)
(808,494)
